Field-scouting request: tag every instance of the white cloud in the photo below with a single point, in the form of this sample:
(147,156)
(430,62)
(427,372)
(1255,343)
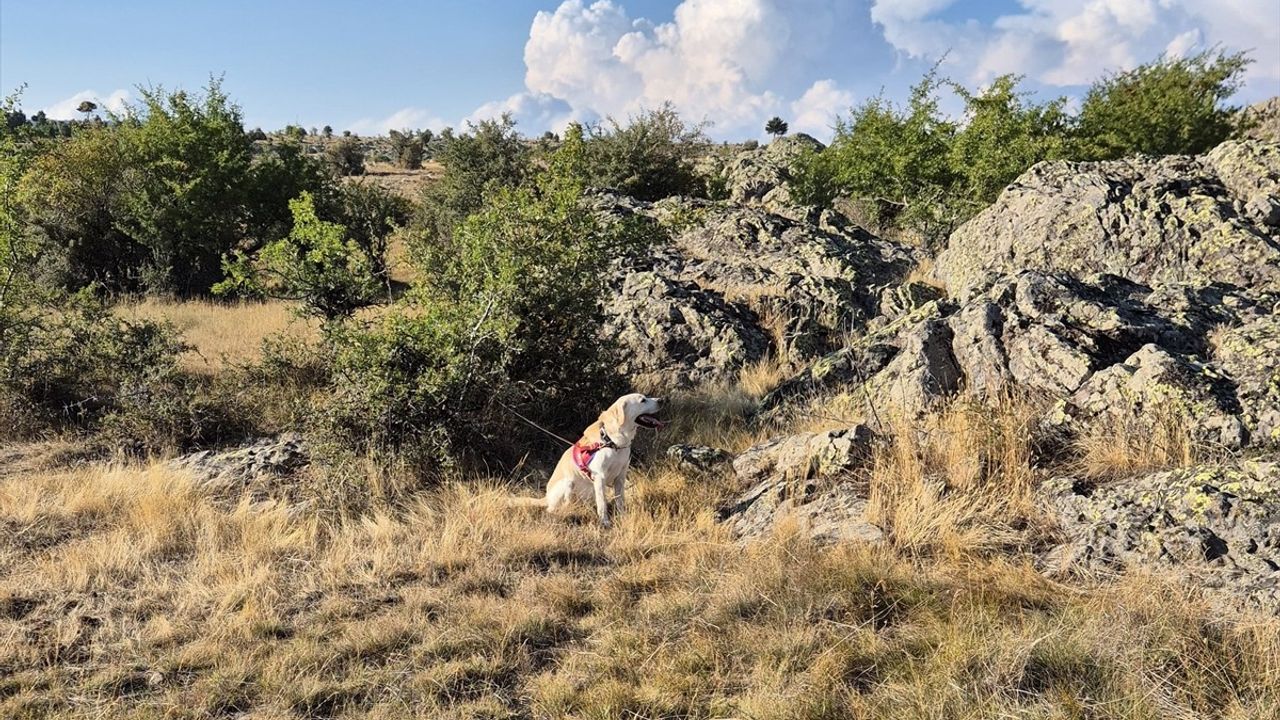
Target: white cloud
(1065,43)
(66,109)
(717,60)
(815,112)
(531,111)
(410,118)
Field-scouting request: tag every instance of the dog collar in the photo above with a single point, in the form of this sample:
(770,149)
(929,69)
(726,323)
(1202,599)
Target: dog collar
(582,454)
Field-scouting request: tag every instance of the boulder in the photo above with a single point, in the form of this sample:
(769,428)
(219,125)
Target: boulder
(762,175)
(825,514)
(1264,117)
(678,334)
(742,274)
(1150,384)
(1150,220)
(699,458)
(1216,526)
(805,456)
(1250,356)
(239,467)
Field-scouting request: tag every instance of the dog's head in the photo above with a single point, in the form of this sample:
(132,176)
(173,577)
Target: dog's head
(629,413)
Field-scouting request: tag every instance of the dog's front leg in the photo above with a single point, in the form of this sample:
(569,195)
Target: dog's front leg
(619,495)
(602,505)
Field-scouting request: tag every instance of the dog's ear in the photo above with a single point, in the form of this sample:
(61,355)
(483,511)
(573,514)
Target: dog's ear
(613,419)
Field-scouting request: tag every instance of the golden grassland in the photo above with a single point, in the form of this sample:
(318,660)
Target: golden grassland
(129,591)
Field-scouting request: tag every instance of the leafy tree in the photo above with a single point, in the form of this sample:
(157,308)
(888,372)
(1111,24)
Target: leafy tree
(776,127)
(257,135)
(76,201)
(187,199)
(317,264)
(370,215)
(651,157)
(408,149)
(505,315)
(1169,106)
(86,107)
(1003,135)
(490,155)
(327,131)
(346,156)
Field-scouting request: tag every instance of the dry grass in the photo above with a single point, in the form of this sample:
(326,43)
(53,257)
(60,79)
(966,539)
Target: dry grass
(222,334)
(1123,445)
(128,591)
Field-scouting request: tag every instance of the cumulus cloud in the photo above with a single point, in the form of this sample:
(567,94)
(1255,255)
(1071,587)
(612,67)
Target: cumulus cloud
(1073,42)
(115,101)
(816,110)
(410,118)
(531,111)
(726,61)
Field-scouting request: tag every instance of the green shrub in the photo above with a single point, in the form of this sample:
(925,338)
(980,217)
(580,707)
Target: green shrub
(490,155)
(317,264)
(1167,107)
(408,149)
(187,199)
(75,367)
(651,157)
(345,156)
(508,313)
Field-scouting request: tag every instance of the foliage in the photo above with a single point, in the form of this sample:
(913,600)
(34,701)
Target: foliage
(651,157)
(345,156)
(1003,135)
(317,264)
(408,149)
(1166,107)
(490,155)
(776,126)
(508,313)
(186,199)
(75,198)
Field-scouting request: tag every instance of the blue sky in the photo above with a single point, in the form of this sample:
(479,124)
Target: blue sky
(372,66)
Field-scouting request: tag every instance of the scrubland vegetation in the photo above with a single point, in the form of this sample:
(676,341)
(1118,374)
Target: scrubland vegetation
(167,283)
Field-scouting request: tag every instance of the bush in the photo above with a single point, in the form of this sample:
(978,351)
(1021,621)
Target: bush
(507,314)
(491,155)
(1167,107)
(156,197)
(649,158)
(345,156)
(317,264)
(408,149)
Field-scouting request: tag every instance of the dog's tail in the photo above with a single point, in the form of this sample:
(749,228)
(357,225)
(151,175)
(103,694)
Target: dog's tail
(526,502)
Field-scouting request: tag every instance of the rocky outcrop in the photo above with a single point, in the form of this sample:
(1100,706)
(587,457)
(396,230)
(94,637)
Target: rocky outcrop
(696,307)
(238,468)
(1196,220)
(699,458)
(803,479)
(804,456)
(762,176)
(1264,120)
(1218,526)
(679,334)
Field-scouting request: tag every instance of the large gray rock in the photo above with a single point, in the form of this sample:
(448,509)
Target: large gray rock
(762,176)
(679,334)
(802,478)
(1265,120)
(1216,526)
(1153,386)
(1250,355)
(239,467)
(1151,220)
(805,456)
(743,273)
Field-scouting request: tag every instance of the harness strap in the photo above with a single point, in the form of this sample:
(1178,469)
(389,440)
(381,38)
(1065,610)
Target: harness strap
(582,454)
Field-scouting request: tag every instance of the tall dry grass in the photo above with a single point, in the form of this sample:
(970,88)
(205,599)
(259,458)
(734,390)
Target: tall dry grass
(222,334)
(128,592)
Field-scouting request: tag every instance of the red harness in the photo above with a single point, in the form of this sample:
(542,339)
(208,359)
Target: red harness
(582,455)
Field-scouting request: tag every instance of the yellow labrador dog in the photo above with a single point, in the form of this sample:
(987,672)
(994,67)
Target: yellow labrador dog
(600,458)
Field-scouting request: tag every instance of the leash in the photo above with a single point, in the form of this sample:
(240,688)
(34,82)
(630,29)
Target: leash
(531,423)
